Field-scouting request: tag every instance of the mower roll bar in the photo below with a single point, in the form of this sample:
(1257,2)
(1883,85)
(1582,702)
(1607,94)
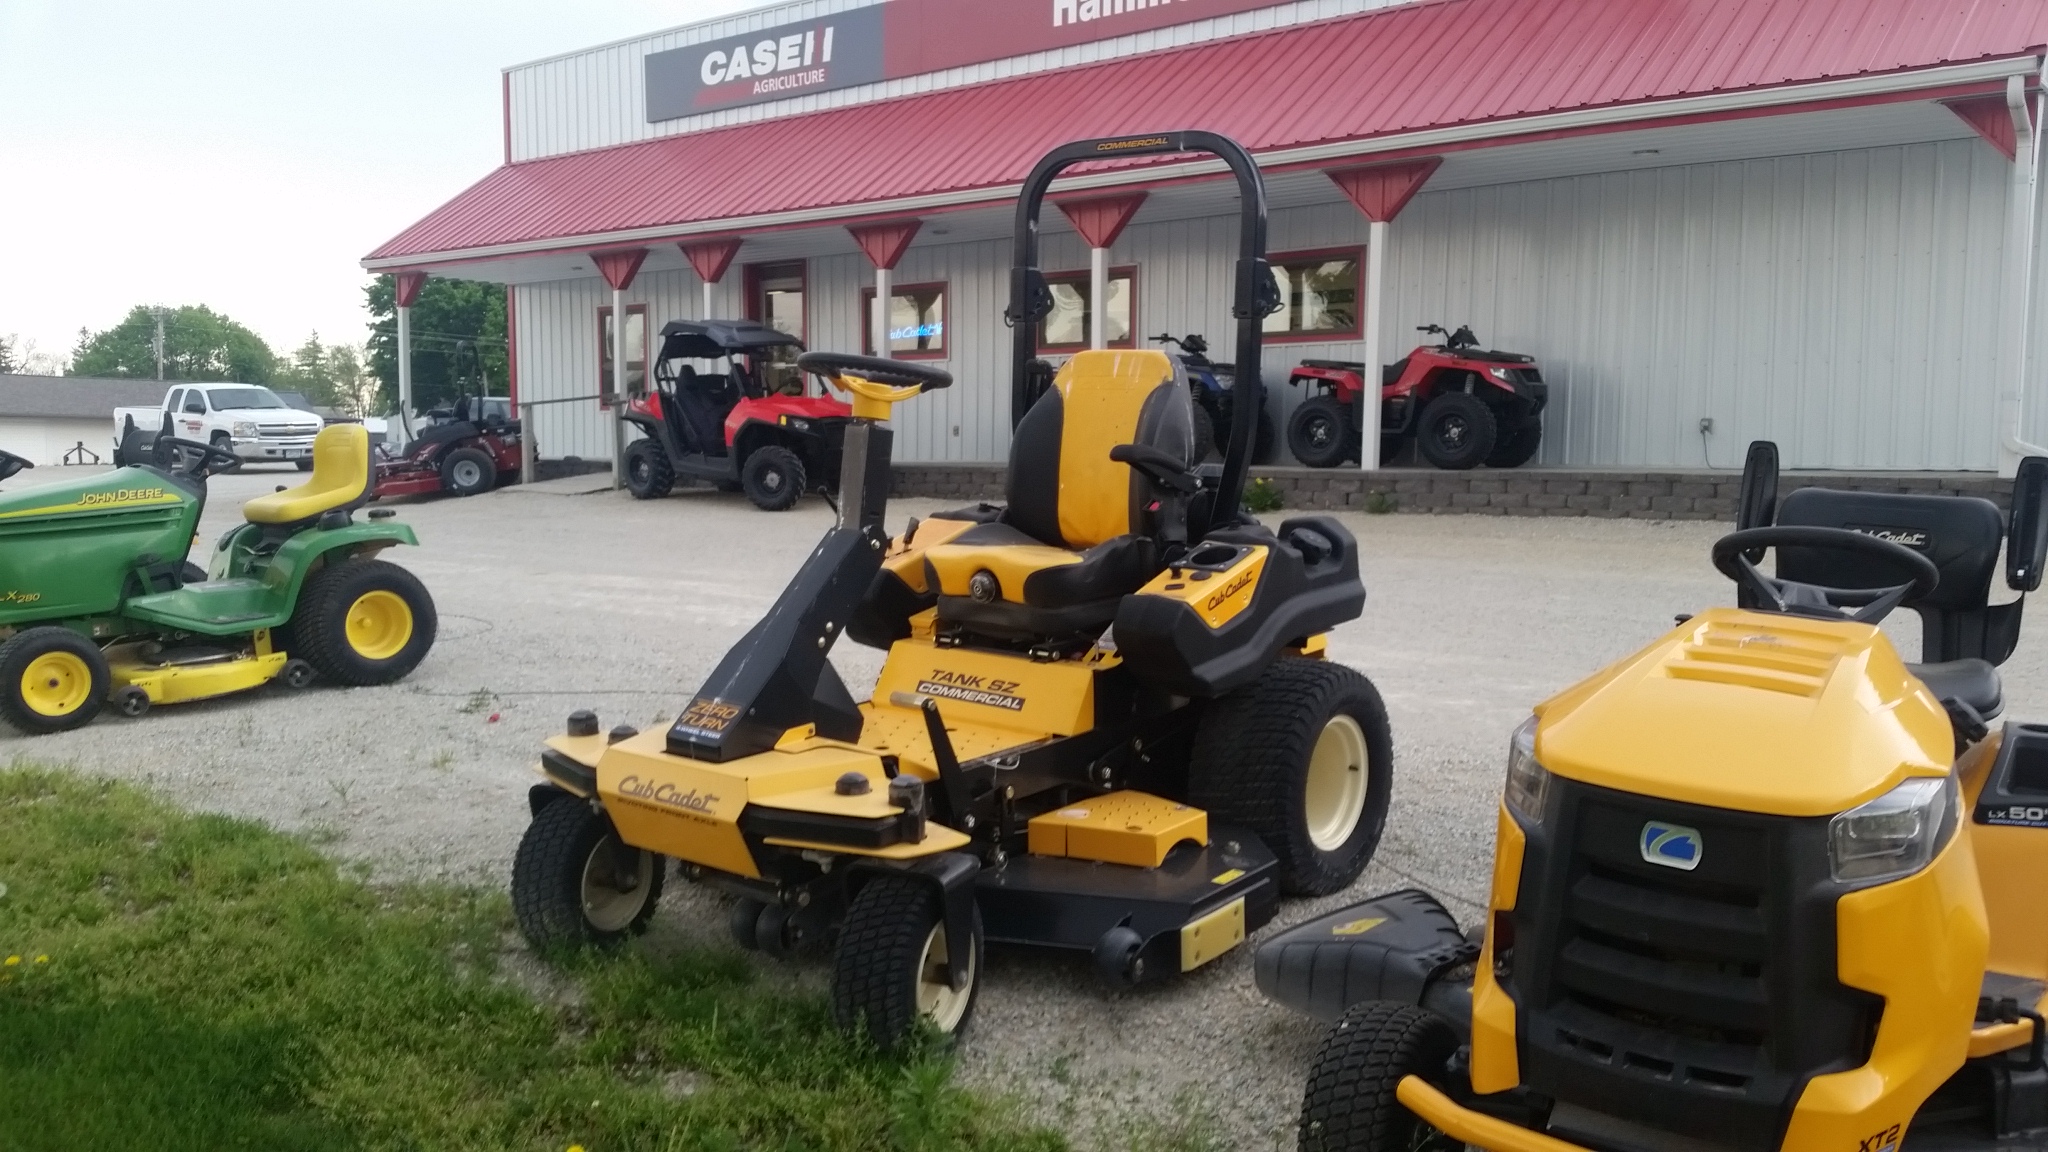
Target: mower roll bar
(1254,297)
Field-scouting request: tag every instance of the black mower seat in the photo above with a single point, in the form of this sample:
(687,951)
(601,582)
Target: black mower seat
(1972,682)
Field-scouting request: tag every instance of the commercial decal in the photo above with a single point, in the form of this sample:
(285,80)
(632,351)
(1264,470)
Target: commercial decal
(972,689)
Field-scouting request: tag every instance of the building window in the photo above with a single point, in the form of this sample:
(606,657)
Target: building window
(1066,326)
(917,321)
(776,297)
(636,351)
(1319,292)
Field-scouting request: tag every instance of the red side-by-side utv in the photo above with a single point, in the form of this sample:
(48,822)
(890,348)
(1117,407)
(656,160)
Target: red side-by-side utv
(749,425)
(1462,405)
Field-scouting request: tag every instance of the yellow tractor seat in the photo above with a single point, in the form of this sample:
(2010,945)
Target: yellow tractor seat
(1081,531)
(340,480)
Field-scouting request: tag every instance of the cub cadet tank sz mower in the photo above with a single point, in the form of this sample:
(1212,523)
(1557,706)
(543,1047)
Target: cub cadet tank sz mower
(1104,723)
(1762,885)
(98,602)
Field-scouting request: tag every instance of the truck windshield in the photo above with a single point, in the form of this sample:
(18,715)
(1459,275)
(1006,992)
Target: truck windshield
(225,398)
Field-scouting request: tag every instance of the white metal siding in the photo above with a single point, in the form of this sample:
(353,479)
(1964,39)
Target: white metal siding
(1844,304)
(43,441)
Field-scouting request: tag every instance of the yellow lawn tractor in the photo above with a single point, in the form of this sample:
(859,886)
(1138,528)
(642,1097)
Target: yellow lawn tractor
(1105,722)
(1762,885)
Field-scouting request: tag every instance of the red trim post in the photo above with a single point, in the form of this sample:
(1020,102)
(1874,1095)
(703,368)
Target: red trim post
(885,244)
(1101,219)
(506,93)
(408,287)
(711,259)
(1380,191)
(512,345)
(618,267)
(1989,117)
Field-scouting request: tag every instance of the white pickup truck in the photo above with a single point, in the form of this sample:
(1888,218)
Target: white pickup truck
(246,419)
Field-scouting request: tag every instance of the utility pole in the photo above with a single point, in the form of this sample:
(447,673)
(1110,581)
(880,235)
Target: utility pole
(157,343)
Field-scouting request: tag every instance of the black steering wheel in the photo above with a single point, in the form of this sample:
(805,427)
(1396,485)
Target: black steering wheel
(1871,604)
(202,456)
(10,464)
(895,373)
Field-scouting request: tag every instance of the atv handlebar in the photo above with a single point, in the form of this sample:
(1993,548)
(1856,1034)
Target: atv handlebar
(1779,595)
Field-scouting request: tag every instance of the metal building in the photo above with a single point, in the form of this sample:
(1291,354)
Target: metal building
(1815,221)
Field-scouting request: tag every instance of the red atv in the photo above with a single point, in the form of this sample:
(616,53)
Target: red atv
(750,425)
(462,450)
(1463,405)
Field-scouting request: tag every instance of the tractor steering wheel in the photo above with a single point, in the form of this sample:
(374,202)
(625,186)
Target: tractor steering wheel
(895,373)
(10,464)
(1872,604)
(203,456)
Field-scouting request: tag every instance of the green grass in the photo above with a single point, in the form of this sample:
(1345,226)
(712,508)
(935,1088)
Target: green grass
(211,984)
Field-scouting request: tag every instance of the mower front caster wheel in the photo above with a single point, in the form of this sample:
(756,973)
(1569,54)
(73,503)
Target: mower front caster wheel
(575,882)
(296,674)
(1120,958)
(131,701)
(893,971)
(51,680)
(1350,1105)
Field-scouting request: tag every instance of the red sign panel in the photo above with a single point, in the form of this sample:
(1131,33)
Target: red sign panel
(930,35)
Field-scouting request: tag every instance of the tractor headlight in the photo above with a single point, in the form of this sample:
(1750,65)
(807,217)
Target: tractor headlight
(1528,784)
(244,430)
(1896,834)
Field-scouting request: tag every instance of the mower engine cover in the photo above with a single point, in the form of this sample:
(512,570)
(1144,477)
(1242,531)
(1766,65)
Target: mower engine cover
(1391,947)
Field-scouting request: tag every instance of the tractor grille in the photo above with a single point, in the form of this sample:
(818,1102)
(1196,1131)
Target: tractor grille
(1703,998)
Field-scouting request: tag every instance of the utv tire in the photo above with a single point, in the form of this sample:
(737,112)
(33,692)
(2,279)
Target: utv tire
(1457,431)
(891,971)
(1205,431)
(1518,447)
(1350,1105)
(575,883)
(1303,756)
(363,622)
(1318,433)
(649,476)
(51,680)
(468,472)
(773,478)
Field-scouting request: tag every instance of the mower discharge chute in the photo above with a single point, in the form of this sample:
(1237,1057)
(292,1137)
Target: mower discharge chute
(1761,886)
(99,604)
(1104,724)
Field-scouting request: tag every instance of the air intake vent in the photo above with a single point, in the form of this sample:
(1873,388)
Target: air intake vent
(1790,660)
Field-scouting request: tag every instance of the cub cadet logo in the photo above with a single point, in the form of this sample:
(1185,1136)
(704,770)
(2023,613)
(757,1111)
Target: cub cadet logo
(709,715)
(1885,1141)
(1127,145)
(668,796)
(1221,596)
(1672,845)
(972,689)
(10,596)
(1910,537)
(121,496)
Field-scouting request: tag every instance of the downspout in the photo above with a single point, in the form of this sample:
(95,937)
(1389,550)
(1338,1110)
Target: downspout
(2019,289)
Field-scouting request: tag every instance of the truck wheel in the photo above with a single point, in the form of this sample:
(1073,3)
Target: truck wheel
(363,622)
(1317,435)
(1205,432)
(649,475)
(773,478)
(892,969)
(51,680)
(305,465)
(1303,756)
(226,443)
(1350,1104)
(467,472)
(1456,431)
(575,882)
(1519,447)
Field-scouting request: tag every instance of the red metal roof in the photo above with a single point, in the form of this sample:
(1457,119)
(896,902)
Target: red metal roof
(1427,65)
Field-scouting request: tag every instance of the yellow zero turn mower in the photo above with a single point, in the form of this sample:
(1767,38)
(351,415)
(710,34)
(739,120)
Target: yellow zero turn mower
(1104,724)
(1762,885)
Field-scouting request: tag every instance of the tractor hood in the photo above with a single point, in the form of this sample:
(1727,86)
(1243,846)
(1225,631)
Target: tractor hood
(69,549)
(1763,713)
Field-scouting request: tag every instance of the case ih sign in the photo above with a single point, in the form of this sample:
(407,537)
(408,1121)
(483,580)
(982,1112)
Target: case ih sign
(894,39)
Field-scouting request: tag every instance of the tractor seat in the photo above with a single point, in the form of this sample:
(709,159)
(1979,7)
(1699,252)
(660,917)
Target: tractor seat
(1081,531)
(340,480)
(1972,682)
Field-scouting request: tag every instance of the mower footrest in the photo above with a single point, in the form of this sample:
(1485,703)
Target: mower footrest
(1387,948)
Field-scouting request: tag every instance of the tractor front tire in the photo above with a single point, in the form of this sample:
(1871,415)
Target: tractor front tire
(649,476)
(1303,756)
(892,970)
(363,622)
(1318,433)
(1350,1105)
(468,472)
(574,882)
(1457,431)
(51,680)
(773,478)
(1518,447)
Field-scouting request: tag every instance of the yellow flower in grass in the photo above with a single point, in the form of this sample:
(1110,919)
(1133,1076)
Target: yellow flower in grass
(13,960)
(42,959)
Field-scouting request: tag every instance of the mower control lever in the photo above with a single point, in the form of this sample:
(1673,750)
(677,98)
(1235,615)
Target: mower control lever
(1775,595)
(1158,464)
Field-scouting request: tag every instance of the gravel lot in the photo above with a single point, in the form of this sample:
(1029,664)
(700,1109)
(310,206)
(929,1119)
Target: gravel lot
(551,602)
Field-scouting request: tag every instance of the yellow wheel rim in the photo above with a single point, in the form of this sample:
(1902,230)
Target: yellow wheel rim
(379,625)
(56,684)
(1336,783)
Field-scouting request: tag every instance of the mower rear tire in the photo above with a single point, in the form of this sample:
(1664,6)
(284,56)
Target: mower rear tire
(51,680)
(574,882)
(1303,756)
(1351,1106)
(363,622)
(1318,433)
(1518,447)
(1457,431)
(649,475)
(468,472)
(891,971)
(1205,431)
(773,478)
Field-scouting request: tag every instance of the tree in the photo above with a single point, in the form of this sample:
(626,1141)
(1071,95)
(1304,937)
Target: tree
(310,371)
(199,344)
(7,361)
(355,389)
(447,314)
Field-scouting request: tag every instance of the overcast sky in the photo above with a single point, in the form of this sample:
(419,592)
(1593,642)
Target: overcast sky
(246,154)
